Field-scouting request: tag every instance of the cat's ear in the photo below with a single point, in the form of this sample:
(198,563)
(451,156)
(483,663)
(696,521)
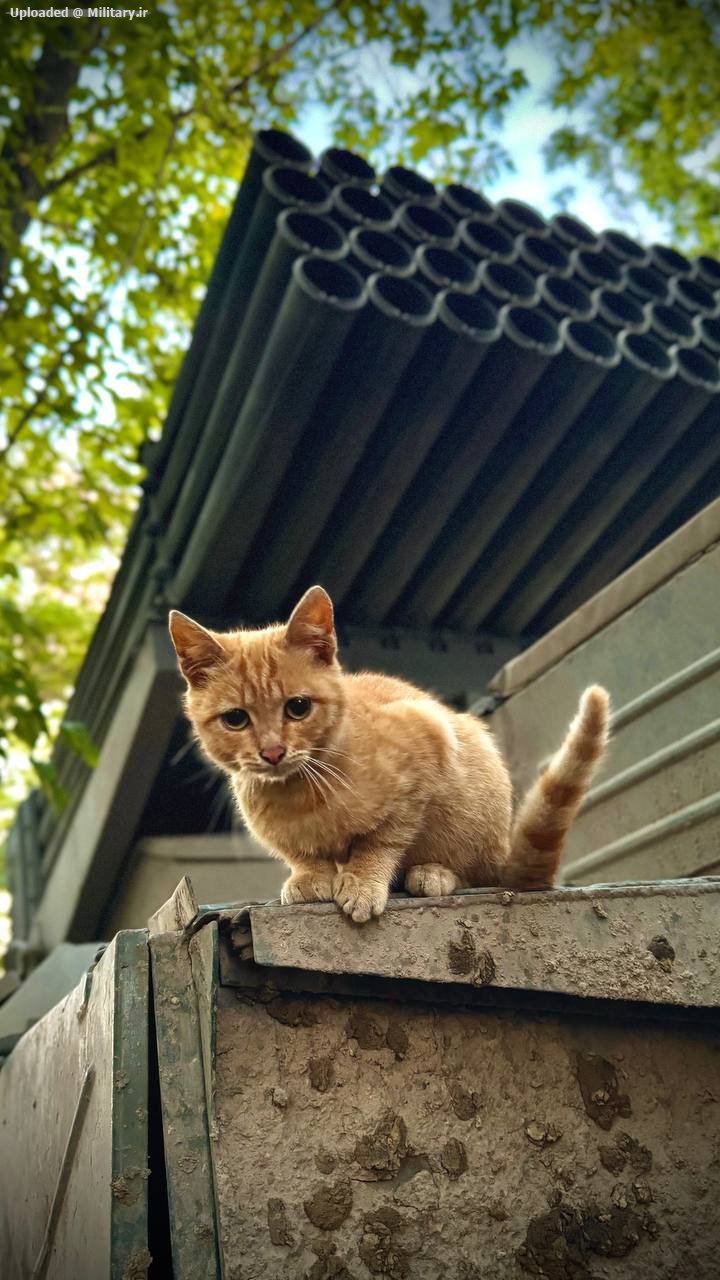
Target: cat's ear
(311,625)
(197,649)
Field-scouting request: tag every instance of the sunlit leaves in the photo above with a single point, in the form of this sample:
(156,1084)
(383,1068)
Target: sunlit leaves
(646,78)
(128,203)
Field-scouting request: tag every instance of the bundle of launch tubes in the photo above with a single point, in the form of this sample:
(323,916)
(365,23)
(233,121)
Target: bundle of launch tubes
(452,413)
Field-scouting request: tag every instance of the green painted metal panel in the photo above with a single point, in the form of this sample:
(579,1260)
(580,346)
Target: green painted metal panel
(73,1130)
(654,812)
(188,1164)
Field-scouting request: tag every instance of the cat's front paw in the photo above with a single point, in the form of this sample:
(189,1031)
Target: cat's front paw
(431,881)
(308,886)
(360,899)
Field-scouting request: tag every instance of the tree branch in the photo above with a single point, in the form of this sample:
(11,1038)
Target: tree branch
(278,54)
(126,263)
(33,141)
(30,409)
(106,156)
(109,154)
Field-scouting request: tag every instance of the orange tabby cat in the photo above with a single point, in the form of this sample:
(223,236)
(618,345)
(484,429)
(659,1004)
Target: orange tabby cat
(359,781)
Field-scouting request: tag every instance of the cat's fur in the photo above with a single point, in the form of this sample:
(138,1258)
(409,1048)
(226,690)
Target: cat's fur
(380,783)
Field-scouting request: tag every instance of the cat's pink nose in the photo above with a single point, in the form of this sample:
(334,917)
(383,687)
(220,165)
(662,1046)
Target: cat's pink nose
(273,755)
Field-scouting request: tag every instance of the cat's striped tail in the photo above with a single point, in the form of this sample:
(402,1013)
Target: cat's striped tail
(545,814)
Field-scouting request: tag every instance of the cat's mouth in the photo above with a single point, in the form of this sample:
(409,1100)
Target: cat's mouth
(272,772)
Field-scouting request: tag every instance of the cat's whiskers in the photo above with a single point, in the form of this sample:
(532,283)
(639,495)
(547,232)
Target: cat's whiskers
(327,792)
(325,767)
(315,767)
(316,782)
(312,754)
(333,771)
(336,752)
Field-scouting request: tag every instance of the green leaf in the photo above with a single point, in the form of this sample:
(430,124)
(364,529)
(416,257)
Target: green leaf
(76,735)
(50,783)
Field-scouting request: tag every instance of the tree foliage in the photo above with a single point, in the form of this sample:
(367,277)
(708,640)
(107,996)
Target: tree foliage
(121,144)
(643,77)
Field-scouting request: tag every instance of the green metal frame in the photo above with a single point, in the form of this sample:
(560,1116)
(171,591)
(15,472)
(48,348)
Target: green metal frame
(184,973)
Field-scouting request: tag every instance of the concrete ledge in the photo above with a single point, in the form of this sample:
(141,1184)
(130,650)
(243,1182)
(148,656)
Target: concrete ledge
(653,943)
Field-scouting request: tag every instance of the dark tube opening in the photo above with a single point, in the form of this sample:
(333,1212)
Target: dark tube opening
(473,312)
(589,339)
(669,260)
(508,279)
(531,325)
(619,306)
(275,144)
(427,221)
(647,351)
(312,230)
(670,320)
(401,180)
(403,297)
(466,201)
(332,279)
(486,238)
(693,295)
(623,247)
(700,366)
(520,216)
(596,266)
(337,160)
(567,295)
(708,327)
(647,282)
(382,247)
(295,184)
(708,270)
(363,203)
(545,252)
(446,264)
(573,230)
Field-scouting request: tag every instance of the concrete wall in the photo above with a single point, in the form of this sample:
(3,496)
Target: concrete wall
(356,1138)
(222,868)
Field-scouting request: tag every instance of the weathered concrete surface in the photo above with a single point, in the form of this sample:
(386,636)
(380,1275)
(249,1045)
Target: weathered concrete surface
(656,943)
(364,1138)
(222,867)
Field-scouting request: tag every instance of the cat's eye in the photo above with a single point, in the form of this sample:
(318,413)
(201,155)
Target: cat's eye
(297,708)
(235,719)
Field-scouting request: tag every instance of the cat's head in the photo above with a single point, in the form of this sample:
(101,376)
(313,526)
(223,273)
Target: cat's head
(262,701)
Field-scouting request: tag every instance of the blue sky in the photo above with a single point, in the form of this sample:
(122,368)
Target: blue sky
(528,125)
